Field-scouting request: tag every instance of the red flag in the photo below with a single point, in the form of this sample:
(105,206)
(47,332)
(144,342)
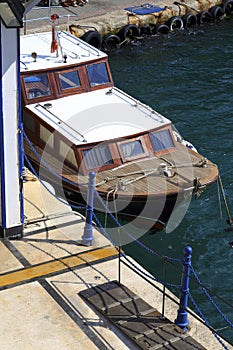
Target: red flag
(54,44)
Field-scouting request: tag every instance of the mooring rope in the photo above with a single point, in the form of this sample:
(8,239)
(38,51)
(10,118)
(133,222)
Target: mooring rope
(147,172)
(225,201)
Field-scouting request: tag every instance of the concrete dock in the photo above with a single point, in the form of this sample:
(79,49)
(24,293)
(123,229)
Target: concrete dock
(42,274)
(109,16)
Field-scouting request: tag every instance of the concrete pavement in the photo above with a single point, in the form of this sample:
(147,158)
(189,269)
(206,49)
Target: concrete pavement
(110,15)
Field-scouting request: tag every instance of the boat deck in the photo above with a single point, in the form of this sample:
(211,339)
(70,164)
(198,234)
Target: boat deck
(143,174)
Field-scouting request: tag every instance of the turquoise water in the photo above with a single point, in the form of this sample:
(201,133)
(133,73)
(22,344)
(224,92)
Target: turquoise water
(188,77)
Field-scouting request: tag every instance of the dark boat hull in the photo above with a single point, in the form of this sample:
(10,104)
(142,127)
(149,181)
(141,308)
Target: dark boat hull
(145,213)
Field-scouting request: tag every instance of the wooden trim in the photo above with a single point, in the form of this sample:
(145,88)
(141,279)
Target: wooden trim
(101,86)
(167,150)
(115,154)
(76,90)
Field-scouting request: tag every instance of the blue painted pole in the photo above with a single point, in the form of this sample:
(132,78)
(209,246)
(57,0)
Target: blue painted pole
(87,237)
(20,139)
(182,315)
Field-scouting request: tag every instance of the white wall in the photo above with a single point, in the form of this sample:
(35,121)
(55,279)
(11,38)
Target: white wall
(10,194)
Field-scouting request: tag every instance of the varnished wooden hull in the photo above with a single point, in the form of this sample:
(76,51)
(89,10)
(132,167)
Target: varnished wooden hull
(148,198)
(147,209)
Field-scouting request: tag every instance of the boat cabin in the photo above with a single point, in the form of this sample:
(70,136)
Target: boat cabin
(56,92)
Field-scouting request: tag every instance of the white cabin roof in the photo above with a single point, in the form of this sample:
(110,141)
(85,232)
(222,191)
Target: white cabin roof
(98,115)
(76,50)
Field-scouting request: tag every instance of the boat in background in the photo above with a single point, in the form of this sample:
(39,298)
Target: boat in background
(76,122)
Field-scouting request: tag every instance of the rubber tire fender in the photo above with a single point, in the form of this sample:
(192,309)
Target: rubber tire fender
(189,20)
(93,38)
(162,29)
(204,17)
(110,41)
(43,3)
(129,31)
(217,12)
(175,22)
(145,30)
(228,7)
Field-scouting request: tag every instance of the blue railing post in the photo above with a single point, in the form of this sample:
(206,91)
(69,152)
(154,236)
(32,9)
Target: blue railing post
(182,315)
(87,237)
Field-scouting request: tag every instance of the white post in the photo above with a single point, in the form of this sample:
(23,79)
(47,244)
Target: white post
(11,210)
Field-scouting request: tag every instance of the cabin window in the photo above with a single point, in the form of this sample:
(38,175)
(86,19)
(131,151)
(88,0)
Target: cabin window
(98,74)
(97,157)
(161,140)
(67,153)
(69,80)
(29,122)
(46,136)
(37,85)
(132,149)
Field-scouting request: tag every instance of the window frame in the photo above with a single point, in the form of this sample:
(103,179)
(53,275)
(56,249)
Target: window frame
(66,160)
(62,73)
(83,167)
(71,91)
(141,155)
(42,97)
(166,150)
(100,86)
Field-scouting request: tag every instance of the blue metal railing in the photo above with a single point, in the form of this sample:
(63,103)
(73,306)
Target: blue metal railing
(182,317)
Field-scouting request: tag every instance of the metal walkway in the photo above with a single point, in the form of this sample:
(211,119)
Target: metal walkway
(138,320)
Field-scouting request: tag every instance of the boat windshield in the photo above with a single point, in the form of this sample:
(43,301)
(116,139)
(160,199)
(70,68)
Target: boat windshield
(161,140)
(97,157)
(98,74)
(132,148)
(121,151)
(37,85)
(69,80)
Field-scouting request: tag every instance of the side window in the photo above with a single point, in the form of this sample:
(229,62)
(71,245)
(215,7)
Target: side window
(69,80)
(67,153)
(37,85)
(161,140)
(29,122)
(98,74)
(97,157)
(46,136)
(132,149)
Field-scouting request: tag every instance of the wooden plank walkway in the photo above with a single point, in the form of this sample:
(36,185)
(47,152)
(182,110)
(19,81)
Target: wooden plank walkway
(137,319)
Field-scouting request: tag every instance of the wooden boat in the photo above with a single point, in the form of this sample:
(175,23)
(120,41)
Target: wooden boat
(76,122)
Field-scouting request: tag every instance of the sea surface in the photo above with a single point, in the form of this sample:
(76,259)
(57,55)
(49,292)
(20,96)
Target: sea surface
(188,77)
